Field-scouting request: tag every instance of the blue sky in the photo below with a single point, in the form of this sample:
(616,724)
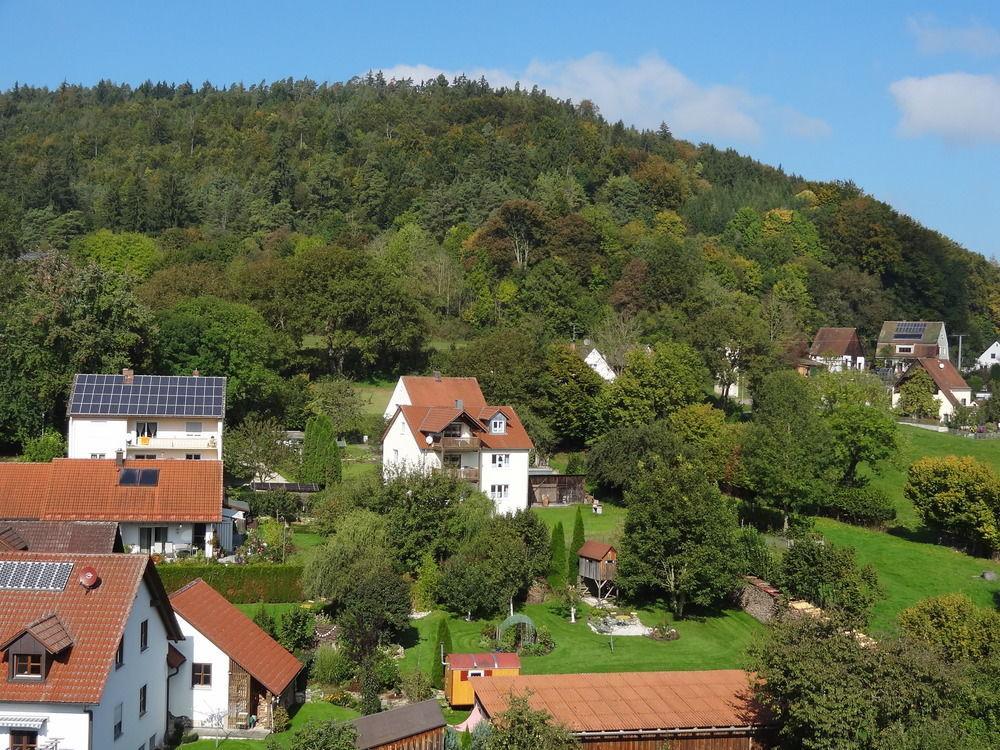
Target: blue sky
(904,99)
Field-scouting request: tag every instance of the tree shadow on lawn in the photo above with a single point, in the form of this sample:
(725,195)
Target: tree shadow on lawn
(921,534)
(692,613)
(409,637)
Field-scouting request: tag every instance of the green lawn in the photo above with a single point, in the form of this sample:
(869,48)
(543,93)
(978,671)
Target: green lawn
(307,713)
(605,527)
(916,443)
(375,395)
(276,609)
(715,642)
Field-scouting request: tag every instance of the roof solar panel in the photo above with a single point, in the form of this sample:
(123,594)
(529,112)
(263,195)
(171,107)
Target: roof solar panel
(910,329)
(128,477)
(148,396)
(149,477)
(34,575)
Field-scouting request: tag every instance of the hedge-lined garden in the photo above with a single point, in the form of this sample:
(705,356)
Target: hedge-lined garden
(240,584)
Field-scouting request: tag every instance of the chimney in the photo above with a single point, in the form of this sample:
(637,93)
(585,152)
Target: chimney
(195,373)
(119,458)
(128,376)
(459,404)
(437,375)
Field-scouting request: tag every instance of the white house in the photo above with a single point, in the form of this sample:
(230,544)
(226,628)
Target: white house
(234,673)
(146,416)
(86,646)
(950,388)
(482,444)
(433,390)
(838,349)
(900,342)
(596,362)
(162,507)
(990,357)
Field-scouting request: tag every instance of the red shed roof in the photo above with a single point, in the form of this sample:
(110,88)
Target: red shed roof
(492,660)
(93,619)
(236,634)
(624,701)
(594,550)
(82,489)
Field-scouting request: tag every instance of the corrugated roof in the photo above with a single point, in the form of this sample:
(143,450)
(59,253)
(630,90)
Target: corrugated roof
(236,634)
(94,618)
(490,660)
(630,701)
(391,726)
(92,537)
(836,342)
(81,489)
(594,550)
(432,391)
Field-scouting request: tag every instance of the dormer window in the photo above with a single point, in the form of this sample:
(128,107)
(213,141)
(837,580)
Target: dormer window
(498,425)
(27,666)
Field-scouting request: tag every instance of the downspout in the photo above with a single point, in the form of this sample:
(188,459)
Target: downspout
(166,730)
(90,728)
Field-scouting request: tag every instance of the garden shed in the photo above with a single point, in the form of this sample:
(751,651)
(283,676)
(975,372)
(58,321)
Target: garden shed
(598,562)
(547,488)
(459,668)
(419,726)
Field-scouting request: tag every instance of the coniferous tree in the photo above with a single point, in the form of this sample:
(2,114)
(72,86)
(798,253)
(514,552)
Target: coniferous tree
(557,565)
(572,565)
(320,454)
(443,647)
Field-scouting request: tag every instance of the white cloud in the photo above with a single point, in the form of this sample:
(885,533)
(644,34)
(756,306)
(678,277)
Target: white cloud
(646,93)
(960,107)
(935,39)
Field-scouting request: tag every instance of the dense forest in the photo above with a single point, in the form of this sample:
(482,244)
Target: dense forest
(283,232)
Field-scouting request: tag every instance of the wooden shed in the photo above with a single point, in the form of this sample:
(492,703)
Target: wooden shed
(557,489)
(459,668)
(419,726)
(598,562)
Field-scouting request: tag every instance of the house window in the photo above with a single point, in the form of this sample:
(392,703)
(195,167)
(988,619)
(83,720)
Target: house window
(904,350)
(120,654)
(498,425)
(201,675)
(28,666)
(21,740)
(144,456)
(192,456)
(152,742)
(453,430)
(499,491)
(192,427)
(144,635)
(145,429)
(993,355)
(97,455)
(119,726)
(152,538)
(475,673)
(142,701)
(500,460)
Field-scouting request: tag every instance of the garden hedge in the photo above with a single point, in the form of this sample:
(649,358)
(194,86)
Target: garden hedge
(240,584)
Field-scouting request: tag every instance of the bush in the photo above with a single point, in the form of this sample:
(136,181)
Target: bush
(188,737)
(296,628)
(280,720)
(264,620)
(276,504)
(417,686)
(576,464)
(239,584)
(42,449)
(385,672)
(332,666)
(865,506)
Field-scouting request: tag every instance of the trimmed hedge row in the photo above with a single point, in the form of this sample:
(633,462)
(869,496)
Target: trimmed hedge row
(240,584)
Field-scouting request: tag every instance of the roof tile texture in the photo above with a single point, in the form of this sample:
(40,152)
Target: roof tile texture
(594,550)
(836,342)
(236,634)
(431,391)
(93,537)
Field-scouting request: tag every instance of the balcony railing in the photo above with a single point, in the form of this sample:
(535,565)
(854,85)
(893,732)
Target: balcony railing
(458,444)
(207,442)
(469,474)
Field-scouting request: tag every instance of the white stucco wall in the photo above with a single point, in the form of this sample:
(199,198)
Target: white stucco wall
(400,452)
(202,705)
(990,357)
(66,723)
(514,475)
(399,398)
(596,361)
(87,436)
(148,668)
(177,533)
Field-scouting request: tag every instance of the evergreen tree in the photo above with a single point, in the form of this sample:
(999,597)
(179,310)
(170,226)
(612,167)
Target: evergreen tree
(265,621)
(320,454)
(557,565)
(572,564)
(444,647)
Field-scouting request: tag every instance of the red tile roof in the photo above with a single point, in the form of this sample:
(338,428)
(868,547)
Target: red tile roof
(516,437)
(943,373)
(427,420)
(630,700)
(236,634)
(836,342)
(432,391)
(493,660)
(94,618)
(81,489)
(594,550)
(91,537)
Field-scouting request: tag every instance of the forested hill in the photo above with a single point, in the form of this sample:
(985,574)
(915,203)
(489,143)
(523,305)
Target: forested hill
(369,218)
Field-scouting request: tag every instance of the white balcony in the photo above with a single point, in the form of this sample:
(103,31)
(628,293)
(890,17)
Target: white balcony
(188,443)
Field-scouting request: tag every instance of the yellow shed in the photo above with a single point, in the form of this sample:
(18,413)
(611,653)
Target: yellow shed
(460,667)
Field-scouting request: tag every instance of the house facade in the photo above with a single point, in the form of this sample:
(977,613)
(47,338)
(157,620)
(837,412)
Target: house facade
(596,362)
(990,357)
(234,673)
(164,507)
(460,668)
(901,342)
(85,641)
(950,388)
(838,349)
(481,444)
(152,417)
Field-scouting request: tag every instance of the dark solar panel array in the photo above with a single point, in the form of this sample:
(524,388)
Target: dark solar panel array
(910,330)
(34,576)
(148,396)
(138,477)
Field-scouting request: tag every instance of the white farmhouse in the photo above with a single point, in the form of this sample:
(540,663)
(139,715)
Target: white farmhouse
(482,444)
(161,507)
(838,349)
(146,416)
(990,357)
(234,673)
(86,650)
(950,388)
(596,362)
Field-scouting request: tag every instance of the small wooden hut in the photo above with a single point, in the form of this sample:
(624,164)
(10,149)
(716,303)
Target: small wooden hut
(418,726)
(598,562)
(458,668)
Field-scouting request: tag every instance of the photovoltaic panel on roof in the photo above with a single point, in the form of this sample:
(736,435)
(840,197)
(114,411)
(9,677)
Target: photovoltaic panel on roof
(910,330)
(34,576)
(148,396)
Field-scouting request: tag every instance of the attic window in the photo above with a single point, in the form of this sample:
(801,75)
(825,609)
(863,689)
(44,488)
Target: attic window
(27,666)
(904,350)
(138,477)
(498,425)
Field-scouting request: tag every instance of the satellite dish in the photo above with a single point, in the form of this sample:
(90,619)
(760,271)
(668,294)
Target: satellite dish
(88,577)
(429,440)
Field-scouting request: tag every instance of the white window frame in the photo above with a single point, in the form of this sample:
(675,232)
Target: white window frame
(904,349)
(97,455)
(499,491)
(477,673)
(498,425)
(500,460)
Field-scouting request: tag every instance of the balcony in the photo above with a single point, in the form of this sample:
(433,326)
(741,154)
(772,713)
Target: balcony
(458,444)
(468,474)
(188,443)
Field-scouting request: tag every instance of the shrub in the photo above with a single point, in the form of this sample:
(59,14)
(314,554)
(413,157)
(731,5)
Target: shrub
(188,737)
(385,671)
(239,584)
(576,464)
(417,686)
(296,628)
(264,620)
(42,449)
(331,666)
(280,720)
(865,506)
(757,558)
(276,504)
